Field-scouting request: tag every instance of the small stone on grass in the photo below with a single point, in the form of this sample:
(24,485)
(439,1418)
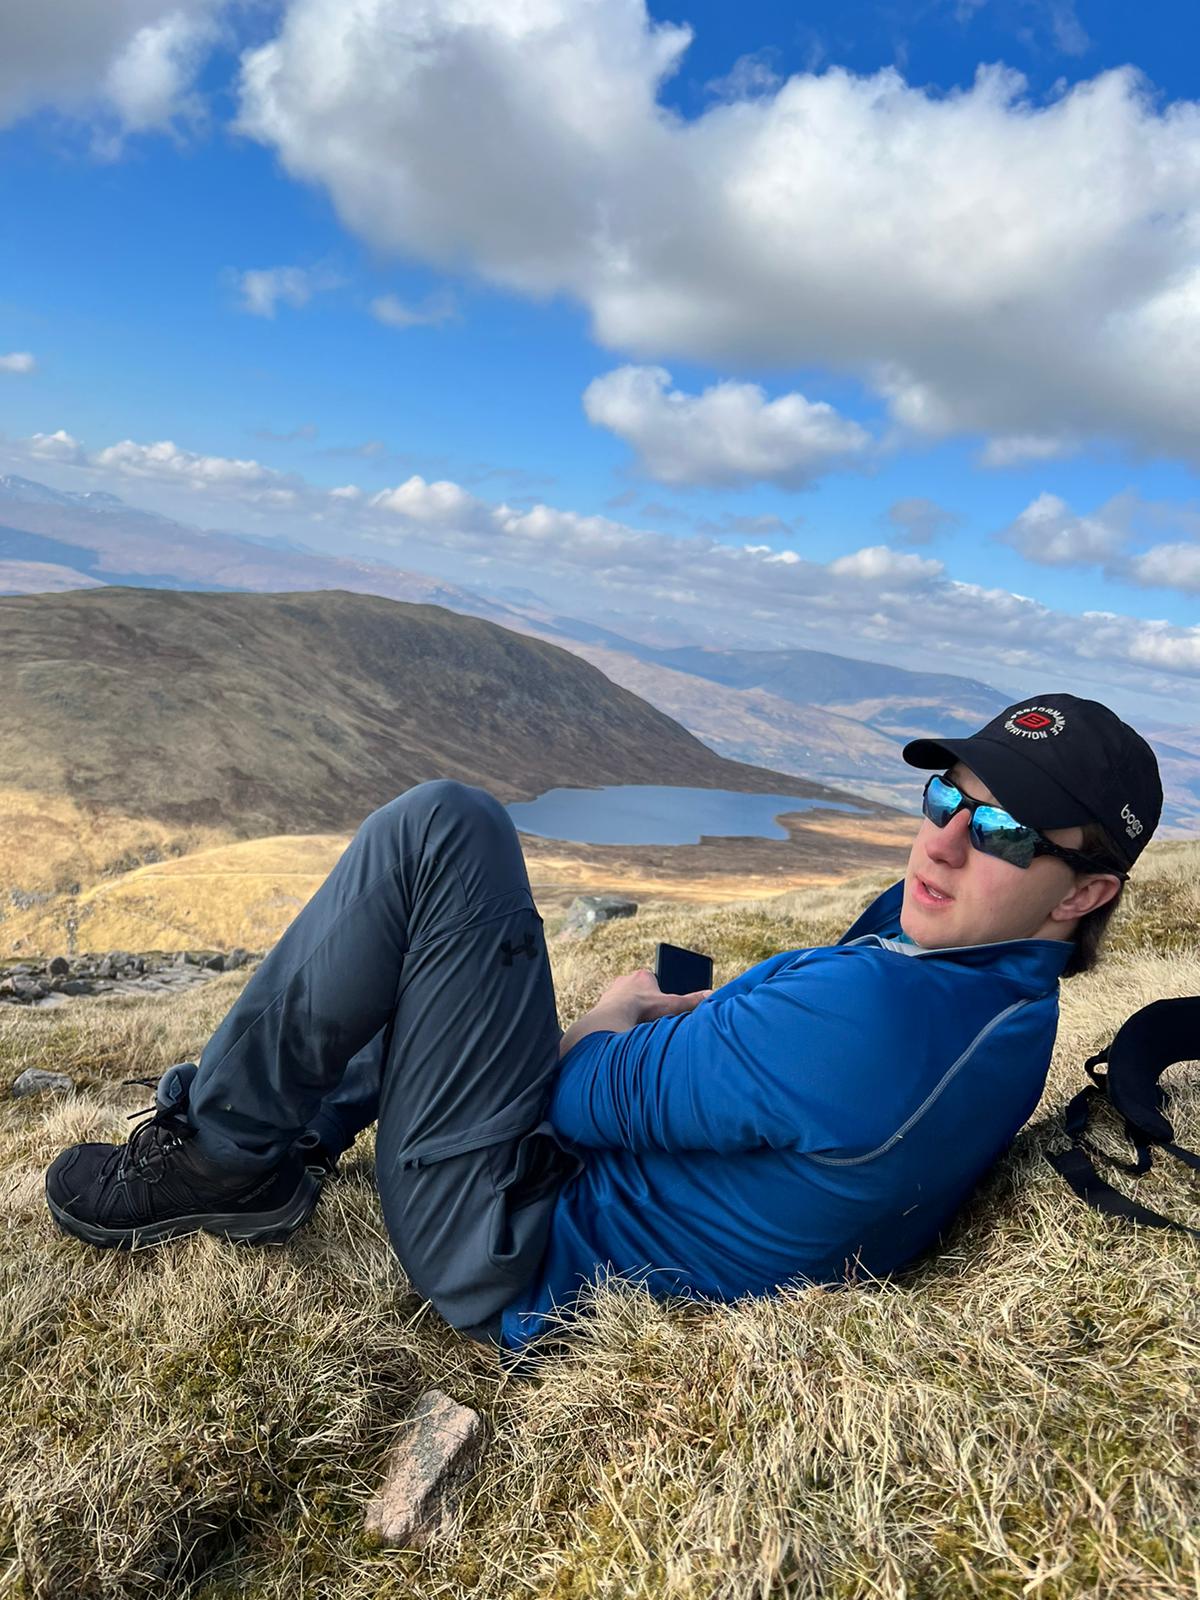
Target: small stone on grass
(436,1456)
(33,1080)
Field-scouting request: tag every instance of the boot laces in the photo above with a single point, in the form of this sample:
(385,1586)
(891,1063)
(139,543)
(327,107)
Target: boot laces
(144,1154)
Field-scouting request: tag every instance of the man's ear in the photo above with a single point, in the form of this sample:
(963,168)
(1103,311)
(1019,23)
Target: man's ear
(1088,893)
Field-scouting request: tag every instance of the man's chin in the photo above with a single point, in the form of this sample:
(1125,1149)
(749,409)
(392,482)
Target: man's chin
(928,929)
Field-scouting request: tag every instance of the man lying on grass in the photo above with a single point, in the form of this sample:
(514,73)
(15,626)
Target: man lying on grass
(827,1111)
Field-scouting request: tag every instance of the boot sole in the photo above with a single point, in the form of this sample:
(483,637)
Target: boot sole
(245,1227)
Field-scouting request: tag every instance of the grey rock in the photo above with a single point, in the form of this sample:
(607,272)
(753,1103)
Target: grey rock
(216,963)
(587,911)
(236,958)
(28,989)
(26,899)
(33,1081)
(437,1455)
(59,967)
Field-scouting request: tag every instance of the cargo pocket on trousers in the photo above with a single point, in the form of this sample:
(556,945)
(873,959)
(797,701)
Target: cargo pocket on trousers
(528,1176)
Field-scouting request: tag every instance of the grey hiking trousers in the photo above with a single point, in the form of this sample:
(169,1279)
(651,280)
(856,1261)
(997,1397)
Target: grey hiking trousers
(413,989)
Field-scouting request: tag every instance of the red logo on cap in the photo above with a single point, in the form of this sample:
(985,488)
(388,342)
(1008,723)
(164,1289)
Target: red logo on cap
(1032,719)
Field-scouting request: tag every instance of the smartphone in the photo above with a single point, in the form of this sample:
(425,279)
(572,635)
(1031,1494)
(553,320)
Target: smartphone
(682,971)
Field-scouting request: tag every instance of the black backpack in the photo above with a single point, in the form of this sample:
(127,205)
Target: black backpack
(1146,1044)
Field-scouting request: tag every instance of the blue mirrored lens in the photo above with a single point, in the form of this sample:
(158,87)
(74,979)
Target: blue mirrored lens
(1000,835)
(993,830)
(940,801)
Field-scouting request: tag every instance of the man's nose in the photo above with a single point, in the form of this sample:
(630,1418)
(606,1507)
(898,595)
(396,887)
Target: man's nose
(951,843)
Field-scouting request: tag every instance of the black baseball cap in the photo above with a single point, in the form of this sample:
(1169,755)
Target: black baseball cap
(1057,761)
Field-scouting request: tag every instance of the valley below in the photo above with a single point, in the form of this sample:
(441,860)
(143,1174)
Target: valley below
(74,887)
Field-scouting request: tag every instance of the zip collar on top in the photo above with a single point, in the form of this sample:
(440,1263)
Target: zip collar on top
(1037,959)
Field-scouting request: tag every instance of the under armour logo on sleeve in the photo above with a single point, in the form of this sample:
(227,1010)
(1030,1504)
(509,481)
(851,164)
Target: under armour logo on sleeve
(509,950)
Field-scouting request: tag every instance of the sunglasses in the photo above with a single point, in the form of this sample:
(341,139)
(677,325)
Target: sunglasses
(997,834)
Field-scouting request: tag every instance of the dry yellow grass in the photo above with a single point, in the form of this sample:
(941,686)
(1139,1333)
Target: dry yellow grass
(211,893)
(229,894)
(52,846)
(1016,1417)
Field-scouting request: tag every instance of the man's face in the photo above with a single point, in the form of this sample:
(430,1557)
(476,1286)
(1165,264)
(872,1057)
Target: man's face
(989,899)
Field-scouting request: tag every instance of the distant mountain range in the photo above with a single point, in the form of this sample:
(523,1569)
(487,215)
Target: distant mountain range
(835,719)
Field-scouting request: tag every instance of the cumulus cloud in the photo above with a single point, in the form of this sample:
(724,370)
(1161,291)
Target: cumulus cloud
(18,361)
(57,446)
(149,81)
(918,520)
(132,63)
(1168,566)
(1051,534)
(429,503)
(991,261)
(262,289)
(166,461)
(877,563)
(1159,645)
(731,433)
(431,313)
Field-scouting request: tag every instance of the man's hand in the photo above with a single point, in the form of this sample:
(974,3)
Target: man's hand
(632,998)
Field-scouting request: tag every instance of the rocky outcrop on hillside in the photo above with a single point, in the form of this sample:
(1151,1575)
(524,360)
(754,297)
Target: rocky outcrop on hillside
(52,982)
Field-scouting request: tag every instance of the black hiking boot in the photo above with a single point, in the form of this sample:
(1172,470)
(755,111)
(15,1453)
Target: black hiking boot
(156,1186)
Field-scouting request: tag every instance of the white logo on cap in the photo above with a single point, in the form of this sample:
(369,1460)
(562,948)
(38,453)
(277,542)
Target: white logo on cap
(1132,826)
(1035,722)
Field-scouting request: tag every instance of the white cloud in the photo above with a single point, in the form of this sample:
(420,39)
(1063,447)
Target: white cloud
(19,361)
(431,313)
(263,288)
(1168,566)
(1159,645)
(877,563)
(149,81)
(429,503)
(731,433)
(131,64)
(1015,449)
(166,462)
(994,262)
(57,446)
(1051,534)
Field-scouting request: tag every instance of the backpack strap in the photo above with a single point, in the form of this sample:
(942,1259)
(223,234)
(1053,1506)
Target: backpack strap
(1152,1039)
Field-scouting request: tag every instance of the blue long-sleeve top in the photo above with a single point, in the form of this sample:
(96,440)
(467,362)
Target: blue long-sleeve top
(823,1115)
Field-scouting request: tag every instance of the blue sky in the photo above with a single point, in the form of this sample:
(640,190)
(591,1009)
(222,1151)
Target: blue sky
(258,253)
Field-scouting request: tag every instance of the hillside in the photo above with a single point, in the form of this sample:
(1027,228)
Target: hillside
(275,713)
(1015,1416)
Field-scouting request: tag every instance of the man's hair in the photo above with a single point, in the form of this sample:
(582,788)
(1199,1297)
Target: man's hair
(1089,934)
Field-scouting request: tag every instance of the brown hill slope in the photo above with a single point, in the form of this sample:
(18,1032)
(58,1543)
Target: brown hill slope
(269,713)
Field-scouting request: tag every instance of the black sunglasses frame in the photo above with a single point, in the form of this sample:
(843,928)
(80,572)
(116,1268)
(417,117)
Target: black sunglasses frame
(1041,845)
